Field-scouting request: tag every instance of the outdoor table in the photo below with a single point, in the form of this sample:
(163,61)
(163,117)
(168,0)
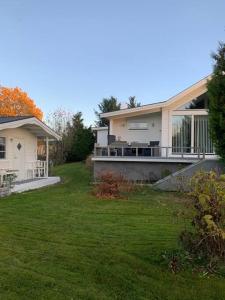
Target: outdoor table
(6,172)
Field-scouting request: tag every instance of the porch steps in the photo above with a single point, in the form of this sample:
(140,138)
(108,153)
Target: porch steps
(178,181)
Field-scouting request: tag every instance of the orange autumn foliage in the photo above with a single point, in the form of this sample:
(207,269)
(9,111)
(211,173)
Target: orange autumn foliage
(15,102)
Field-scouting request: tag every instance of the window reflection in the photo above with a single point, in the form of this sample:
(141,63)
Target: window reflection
(201,102)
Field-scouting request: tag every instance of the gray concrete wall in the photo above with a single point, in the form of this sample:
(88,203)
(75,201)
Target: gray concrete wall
(180,180)
(138,171)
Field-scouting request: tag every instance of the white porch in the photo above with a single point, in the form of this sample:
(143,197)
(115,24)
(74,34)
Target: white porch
(33,184)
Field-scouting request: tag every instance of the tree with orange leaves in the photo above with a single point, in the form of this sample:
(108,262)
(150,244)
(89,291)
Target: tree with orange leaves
(15,102)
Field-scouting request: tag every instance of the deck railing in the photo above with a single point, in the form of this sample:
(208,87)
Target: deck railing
(151,152)
(36,169)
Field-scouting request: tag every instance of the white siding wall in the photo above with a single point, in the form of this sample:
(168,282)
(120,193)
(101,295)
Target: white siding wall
(119,128)
(29,144)
(102,137)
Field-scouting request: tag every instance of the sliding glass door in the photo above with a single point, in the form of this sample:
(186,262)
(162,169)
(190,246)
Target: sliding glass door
(181,134)
(190,133)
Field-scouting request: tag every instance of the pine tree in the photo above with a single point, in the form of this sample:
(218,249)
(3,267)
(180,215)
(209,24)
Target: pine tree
(78,139)
(133,102)
(216,93)
(107,105)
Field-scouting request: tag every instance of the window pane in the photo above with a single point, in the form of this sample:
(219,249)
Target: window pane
(201,102)
(2,155)
(2,147)
(181,134)
(202,141)
(2,141)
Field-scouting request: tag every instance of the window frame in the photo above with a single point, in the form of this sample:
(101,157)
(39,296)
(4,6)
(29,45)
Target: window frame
(3,151)
(192,113)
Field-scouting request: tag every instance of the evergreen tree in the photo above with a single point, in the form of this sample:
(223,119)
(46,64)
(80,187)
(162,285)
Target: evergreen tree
(216,93)
(78,140)
(107,105)
(133,102)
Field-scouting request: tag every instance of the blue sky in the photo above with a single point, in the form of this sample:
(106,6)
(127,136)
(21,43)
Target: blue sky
(73,53)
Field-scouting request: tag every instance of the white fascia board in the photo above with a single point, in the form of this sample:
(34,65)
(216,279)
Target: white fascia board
(152,107)
(99,128)
(129,111)
(32,121)
(190,89)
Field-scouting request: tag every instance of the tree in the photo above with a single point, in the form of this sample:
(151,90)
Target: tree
(78,140)
(133,102)
(59,120)
(216,93)
(107,105)
(15,102)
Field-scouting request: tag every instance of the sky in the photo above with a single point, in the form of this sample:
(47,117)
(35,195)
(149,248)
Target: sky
(72,53)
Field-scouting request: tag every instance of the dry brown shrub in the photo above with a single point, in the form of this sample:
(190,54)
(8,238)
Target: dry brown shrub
(111,186)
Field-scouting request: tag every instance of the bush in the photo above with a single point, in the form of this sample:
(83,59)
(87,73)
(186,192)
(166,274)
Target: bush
(207,240)
(111,185)
(89,163)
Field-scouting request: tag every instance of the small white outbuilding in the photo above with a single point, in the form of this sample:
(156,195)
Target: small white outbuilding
(19,147)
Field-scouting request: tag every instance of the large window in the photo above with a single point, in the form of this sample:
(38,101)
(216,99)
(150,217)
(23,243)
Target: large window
(2,147)
(190,133)
(181,130)
(202,141)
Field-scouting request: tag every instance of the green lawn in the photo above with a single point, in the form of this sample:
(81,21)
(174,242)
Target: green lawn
(62,243)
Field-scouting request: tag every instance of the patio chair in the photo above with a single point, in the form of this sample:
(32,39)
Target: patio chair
(117,147)
(142,148)
(155,148)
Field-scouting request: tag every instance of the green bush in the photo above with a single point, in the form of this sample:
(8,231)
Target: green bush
(207,239)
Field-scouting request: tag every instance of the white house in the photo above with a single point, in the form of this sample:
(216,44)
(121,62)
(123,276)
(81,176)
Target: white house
(174,132)
(18,147)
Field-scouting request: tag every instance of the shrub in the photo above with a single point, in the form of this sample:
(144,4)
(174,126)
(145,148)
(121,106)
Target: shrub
(207,240)
(111,185)
(89,163)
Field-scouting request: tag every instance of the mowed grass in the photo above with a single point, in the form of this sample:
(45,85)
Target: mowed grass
(63,243)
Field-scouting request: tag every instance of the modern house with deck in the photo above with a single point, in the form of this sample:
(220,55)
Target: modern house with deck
(19,137)
(149,142)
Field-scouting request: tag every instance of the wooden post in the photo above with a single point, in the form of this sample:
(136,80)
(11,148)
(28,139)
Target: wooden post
(47,156)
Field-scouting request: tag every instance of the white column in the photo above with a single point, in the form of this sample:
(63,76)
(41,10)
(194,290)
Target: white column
(47,155)
(192,133)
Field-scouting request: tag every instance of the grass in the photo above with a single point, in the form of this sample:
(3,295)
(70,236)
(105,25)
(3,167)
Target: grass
(62,243)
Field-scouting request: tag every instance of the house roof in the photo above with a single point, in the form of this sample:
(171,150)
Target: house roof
(32,124)
(153,107)
(13,119)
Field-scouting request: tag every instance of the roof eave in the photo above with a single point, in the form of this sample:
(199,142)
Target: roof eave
(159,105)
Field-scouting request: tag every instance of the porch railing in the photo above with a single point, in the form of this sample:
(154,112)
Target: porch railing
(37,169)
(151,152)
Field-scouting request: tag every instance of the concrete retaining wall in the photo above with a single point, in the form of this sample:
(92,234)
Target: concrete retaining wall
(138,171)
(180,179)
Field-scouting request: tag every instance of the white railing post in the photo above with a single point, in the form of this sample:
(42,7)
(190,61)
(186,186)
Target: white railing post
(47,157)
